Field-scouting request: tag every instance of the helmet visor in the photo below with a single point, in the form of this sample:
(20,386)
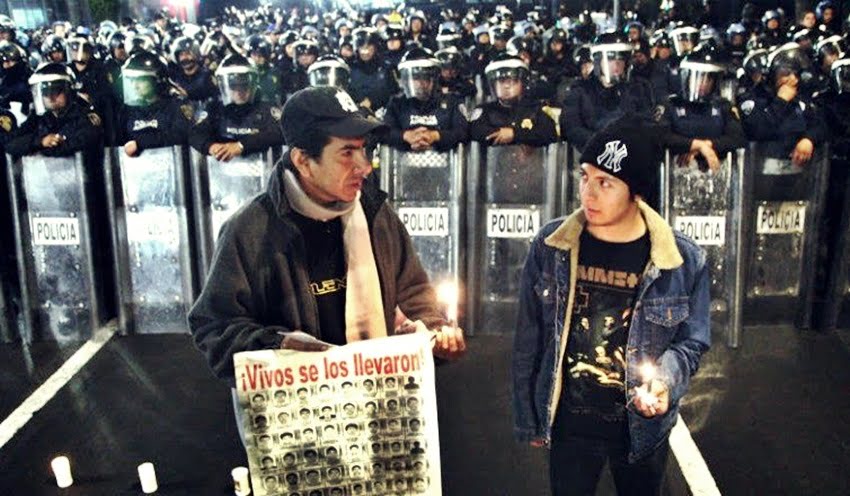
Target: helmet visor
(610,65)
(507,84)
(841,77)
(140,88)
(699,82)
(329,76)
(418,82)
(237,88)
(50,95)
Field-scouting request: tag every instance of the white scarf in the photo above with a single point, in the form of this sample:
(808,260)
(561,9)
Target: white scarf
(364,308)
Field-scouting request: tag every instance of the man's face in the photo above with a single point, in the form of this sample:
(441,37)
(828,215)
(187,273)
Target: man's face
(448,73)
(55,101)
(339,173)
(394,45)
(634,34)
(187,60)
(828,14)
(144,88)
(366,52)
(306,59)
(422,87)
(57,56)
(773,24)
(809,20)
(416,25)
(663,52)
(484,39)
(346,52)
(500,44)
(120,54)
(258,58)
(8,64)
(605,198)
(556,46)
(508,89)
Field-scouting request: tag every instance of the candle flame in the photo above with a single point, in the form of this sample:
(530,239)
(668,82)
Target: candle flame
(647,372)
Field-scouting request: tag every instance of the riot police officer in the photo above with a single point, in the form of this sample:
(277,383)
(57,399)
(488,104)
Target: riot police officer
(698,123)
(92,82)
(539,86)
(771,35)
(15,74)
(751,81)
(270,83)
(187,72)
(592,104)
(453,77)
(372,84)
(54,49)
(306,52)
(60,124)
(115,58)
(238,124)
(330,70)
(423,118)
(736,44)
(511,118)
(150,116)
(394,43)
(787,121)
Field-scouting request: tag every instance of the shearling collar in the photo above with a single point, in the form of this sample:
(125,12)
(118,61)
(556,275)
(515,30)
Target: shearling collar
(663,250)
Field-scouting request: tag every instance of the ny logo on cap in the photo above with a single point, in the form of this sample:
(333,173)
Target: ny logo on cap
(613,154)
(346,102)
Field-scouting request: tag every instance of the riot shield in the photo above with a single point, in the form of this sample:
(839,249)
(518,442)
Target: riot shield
(8,269)
(516,191)
(59,294)
(782,223)
(836,310)
(708,207)
(153,253)
(426,189)
(219,189)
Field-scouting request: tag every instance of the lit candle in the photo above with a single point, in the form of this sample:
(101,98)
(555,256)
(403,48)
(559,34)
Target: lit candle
(62,470)
(147,476)
(447,293)
(241,487)
(647,372)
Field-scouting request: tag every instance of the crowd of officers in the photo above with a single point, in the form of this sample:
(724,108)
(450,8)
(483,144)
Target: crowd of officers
(219,86)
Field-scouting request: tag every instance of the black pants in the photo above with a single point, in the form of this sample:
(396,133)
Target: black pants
(575,465)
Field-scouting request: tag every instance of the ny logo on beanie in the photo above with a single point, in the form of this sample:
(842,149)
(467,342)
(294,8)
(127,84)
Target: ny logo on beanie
(613,154)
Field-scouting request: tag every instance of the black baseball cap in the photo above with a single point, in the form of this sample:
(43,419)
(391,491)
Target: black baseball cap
(327,107)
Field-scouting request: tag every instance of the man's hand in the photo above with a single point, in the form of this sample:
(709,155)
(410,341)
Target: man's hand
(301,341)
(802,152)
(706,149)
(788,88)
(224,152)
(655,400)
(502,136)
(537,442)
(131,148)
(449,343)
(52,140)
(366,103)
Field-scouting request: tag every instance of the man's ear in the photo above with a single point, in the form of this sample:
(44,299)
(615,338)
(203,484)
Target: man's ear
(301,161)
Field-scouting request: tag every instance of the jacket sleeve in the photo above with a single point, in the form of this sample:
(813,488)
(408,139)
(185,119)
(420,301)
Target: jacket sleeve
(87,130)
(25,140)
(480,127)
(457,131)
(540,133)
(733,134)
(680,361)
(394,133)
(677,143)
(224,320)
(572,122)
(815,125)
(202,134)
(528,349)
(762,122)
(271,134)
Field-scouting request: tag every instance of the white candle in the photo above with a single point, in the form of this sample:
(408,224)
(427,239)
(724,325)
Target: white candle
(147,476)
(447,293)
(62,470)
(241,486)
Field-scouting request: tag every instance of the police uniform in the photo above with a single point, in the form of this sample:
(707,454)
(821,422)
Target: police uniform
(589,106)
(81,127)
(715,120)
(255,126)
(441,113)
(373,81)
(271,84)
(532,126)
(782,124)
(163,123)
(200,86)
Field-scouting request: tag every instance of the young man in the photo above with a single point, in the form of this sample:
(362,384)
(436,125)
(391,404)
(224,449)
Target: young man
(614,316)
(318,252)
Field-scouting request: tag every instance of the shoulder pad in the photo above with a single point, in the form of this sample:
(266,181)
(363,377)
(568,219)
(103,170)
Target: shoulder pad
(476,114)
(748,106)
(94,119)
(188,112)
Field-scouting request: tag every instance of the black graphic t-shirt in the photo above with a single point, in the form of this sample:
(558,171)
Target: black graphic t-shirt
(327,271)
(593,398)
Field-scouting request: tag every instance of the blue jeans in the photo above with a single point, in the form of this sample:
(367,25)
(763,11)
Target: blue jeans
(576,463)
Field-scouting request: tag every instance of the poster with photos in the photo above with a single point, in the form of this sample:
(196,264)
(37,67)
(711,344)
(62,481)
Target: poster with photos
(355,420)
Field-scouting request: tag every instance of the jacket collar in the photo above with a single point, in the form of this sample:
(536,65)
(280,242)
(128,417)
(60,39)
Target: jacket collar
(663,250)
(370,196)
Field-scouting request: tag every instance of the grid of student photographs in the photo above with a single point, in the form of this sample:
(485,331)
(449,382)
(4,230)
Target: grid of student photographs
(359,437)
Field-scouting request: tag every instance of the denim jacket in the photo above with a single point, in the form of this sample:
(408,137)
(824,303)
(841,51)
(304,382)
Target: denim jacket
(670,326)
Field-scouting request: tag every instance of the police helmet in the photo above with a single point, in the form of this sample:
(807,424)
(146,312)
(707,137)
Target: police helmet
(11,52)
(660,39)
(685,39)
(611,54)
(736,29)
(418,73)
(790,59)
(80,49)
(364,37)
(507,76)
(308,48)
(47,82)
(840,76)
(145,79)
(185,44)
(501,33)
(830,49)
(450,58)
(237,80)
(393,32)
(139,43)
(329,70)
(770,15)
(700,73)
(54,44)
(260,45)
